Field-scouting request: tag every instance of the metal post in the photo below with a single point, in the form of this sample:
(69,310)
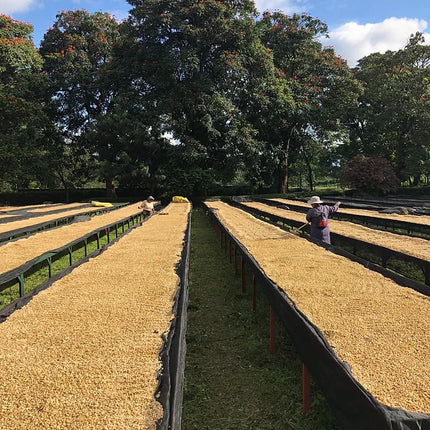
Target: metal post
(306,382)
(272,330)
(21,285)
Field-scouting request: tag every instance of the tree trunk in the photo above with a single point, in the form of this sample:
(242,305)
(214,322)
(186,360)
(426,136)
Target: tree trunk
(110,189)
(300,179)
(400,156)
(283,168)
(283,175)
(309,167)
(310,178)
(65,185)
(416,180)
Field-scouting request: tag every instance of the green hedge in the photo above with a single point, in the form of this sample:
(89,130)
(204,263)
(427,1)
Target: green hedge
(35,197)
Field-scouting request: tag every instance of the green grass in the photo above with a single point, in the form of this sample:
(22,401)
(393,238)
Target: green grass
(9,295)
(231,379)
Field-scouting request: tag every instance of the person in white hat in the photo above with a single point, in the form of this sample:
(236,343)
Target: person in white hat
(318,217)
(148,206)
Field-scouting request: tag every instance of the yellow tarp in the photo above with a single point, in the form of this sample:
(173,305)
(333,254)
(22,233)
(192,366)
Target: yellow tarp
(101,204)
(179,199)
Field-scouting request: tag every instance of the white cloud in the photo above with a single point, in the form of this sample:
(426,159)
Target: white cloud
(8,7)
(353,41)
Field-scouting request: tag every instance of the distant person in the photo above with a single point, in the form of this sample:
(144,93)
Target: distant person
(148,206)
(318,218)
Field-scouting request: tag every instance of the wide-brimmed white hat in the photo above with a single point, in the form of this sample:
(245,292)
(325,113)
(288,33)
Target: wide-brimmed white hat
(150,198)
(314,200)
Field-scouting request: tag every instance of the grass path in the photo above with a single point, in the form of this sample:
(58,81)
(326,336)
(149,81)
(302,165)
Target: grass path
(231,379)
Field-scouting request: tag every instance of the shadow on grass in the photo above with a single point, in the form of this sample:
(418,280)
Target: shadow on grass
(231,379)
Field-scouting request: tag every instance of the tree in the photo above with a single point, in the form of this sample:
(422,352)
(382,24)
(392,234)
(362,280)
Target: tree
(194,63)
(392,119)
(141,149)
(18,54)
(371,175)
(77,52)
(321,85)
(24,120)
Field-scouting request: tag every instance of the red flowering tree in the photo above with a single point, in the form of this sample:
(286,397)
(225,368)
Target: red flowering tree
(18,54)
(77,52)
(24,124)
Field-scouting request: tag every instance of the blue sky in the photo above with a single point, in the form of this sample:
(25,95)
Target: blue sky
(357,27)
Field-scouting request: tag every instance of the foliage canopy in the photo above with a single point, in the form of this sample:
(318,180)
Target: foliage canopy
(185,96)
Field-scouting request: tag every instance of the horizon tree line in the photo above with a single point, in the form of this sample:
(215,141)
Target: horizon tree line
(186,96)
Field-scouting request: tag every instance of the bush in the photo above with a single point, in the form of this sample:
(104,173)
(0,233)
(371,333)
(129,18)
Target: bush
(36,197)
(370,175)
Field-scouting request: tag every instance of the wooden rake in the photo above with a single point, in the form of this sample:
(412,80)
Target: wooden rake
(296,231)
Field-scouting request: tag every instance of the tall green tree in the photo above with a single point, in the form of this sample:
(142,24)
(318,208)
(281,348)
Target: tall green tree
(24,122)
(194,63)
(392,119)
(77,52)
(321,85)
